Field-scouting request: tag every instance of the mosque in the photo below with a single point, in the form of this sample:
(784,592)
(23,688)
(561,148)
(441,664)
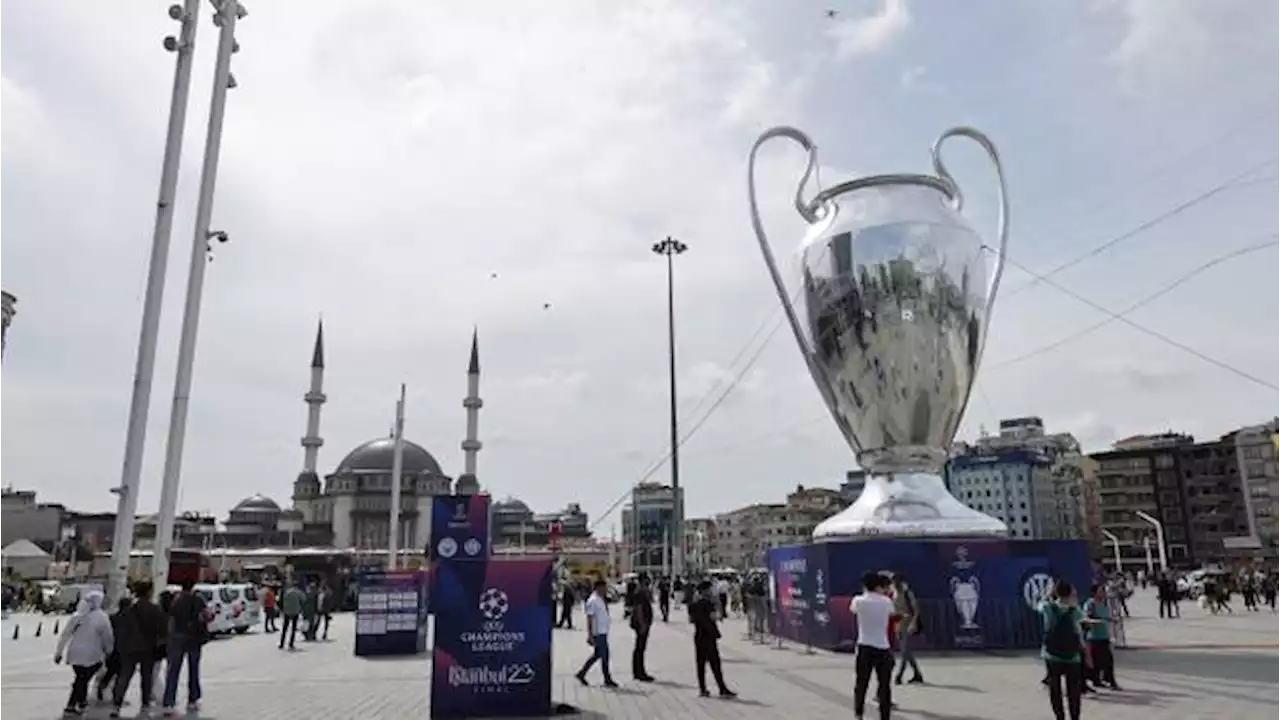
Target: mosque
(352,505)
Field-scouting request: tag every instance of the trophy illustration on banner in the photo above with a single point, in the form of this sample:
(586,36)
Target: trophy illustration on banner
(894,303)
(965,593)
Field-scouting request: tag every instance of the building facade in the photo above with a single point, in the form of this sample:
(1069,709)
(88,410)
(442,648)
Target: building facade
(1017,487)
(743,537)
(1260,485)
(1214,501)
(647,524)
(1141,473)
(515,525)
(23,518)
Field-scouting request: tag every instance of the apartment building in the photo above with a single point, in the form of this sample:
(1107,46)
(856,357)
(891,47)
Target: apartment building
(745,536)
(1256,458)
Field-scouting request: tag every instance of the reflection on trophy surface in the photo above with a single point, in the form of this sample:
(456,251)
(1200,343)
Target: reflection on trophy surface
(894,301)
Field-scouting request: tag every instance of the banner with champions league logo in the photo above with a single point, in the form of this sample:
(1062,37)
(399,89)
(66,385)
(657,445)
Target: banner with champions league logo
(492,651)
(459,527)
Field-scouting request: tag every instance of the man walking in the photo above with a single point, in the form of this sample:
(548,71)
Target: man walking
(290,608)
(907,609)
(706,641)
(189,622)
(143,632)
(311,611)
(566,606)
(641,623)
(1098,611)
(664,597)
(597,612)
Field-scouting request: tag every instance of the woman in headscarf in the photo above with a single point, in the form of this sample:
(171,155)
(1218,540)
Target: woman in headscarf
(86,643)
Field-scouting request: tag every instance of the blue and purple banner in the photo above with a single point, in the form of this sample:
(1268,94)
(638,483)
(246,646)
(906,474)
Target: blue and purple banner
(974,594)
(492,654)
(460,527)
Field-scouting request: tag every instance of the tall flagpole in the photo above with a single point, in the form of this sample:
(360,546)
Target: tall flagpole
(228,11)
(145,367)
(397,472)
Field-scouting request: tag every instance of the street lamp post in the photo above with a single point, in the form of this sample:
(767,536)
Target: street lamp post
(1146,548)
(227,12)
(672,247)
(1160,547)
(1115,546)
(145,365)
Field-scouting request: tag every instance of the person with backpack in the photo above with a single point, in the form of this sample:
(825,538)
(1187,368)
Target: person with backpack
(188,632)
(907,609)
(1063,649)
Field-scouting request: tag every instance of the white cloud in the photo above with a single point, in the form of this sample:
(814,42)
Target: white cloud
(871,34)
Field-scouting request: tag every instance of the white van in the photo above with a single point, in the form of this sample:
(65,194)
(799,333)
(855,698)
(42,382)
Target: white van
(242,604)
(220,621)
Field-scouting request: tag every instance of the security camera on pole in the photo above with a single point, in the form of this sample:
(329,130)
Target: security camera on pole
(226,13)
(136,434)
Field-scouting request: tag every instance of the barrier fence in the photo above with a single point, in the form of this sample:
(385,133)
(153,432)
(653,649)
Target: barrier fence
(999,625)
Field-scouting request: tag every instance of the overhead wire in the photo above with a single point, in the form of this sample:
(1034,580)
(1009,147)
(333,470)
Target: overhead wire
(1164,290)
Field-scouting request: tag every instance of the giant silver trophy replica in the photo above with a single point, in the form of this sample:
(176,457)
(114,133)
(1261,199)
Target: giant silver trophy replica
(7,311)
(896,303)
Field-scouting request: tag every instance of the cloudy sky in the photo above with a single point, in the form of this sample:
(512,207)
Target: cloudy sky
(383,160)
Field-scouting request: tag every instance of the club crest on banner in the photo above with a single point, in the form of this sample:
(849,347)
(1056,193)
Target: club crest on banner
(1035,589)
(448,547)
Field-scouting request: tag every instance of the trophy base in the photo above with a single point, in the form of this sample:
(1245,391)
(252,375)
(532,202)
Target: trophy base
(907,505)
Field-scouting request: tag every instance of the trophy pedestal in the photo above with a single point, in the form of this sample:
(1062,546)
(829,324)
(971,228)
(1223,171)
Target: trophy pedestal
(908,505)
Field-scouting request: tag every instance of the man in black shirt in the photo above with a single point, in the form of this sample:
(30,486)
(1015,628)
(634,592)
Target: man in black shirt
(140,641)
(641,622)
(706,640)
(664,597)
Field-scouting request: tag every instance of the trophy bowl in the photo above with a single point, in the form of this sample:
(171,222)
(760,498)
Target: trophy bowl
(894,298)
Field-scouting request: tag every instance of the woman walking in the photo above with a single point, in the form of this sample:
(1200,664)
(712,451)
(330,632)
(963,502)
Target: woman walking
(86,642)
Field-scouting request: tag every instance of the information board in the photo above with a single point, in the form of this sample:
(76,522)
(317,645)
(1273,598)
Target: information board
(492,653)
(391,617)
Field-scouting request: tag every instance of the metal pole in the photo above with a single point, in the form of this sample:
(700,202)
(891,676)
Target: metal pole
(1160,546)
(1115,546)
(145,364)
(672,247)
(1146,548)
(226,15)
(397,474)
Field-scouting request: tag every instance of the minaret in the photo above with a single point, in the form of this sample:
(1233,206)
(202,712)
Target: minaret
(307,487)
(467,483)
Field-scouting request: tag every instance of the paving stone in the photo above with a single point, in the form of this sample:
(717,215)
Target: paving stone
(1201,666)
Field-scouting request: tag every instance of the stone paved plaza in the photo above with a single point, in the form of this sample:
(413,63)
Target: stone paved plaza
(1198,667)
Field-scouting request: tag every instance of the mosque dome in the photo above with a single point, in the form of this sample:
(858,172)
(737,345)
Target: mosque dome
(377,456)
(256,503)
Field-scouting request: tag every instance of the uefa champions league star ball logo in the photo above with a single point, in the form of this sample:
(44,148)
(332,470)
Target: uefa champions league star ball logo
(493,604)
(447,548)
(1035,589)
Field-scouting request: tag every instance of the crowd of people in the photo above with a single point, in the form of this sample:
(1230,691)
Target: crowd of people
(705,601)
(134,640)
(142,635)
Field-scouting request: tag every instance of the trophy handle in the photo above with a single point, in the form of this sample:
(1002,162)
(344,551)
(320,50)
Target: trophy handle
(1002,222)
(810,211)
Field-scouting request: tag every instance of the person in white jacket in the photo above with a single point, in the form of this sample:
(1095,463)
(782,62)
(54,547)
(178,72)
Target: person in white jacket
(86,642)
